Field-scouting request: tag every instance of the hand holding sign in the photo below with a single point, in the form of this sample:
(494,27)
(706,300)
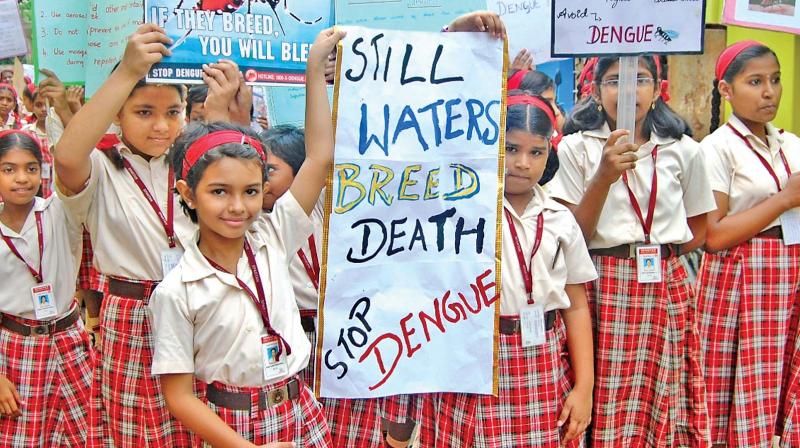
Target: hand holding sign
(617,158)
(323,46)
(53,89)
(480,21)
(223,80)
(146,47)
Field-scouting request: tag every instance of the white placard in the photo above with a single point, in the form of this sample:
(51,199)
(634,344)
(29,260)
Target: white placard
(528,26)
(12,37)
(409,294)
(627,27)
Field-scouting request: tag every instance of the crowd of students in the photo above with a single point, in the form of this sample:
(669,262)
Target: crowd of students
(194,243)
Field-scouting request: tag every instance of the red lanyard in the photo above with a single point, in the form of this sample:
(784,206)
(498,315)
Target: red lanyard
(312,268)
(527,272)
(764,161)
(40,233)
(261,299)
(167,221)
(647,223)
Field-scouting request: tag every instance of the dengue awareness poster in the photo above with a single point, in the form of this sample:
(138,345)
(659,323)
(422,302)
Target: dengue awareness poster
(410,278)
(776,15)
(268,39)
(626,27)
(59,37)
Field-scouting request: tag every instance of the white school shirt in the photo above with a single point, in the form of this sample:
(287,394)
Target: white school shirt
(562,258)
(304,291)
(203,321)
(62,249)
(735,170)
(127,236)
(683,189)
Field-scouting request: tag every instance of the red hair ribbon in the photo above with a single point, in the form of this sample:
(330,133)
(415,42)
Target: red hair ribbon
(5,85)
(535,102)
(729,54)
(208,142)
(516,80)
(586,77)
(25,133)
(108,142)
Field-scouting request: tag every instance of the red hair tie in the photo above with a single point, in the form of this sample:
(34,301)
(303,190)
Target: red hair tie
(729,54)
(208,142)
(515,81)
(25,133)
(108,142)
(586,78)
(535,102)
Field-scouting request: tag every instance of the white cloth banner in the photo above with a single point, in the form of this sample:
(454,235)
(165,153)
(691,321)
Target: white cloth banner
(408,300)
(627,27)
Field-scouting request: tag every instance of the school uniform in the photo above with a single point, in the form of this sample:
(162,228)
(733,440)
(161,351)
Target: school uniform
(535,380)
(128,238)
(48,359)
(12,122)
(747,294)
(649,388)
(47,159)
(206,324)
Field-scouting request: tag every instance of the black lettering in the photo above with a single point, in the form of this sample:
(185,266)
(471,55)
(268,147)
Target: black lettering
(439,219)
(434,80)
(349,72)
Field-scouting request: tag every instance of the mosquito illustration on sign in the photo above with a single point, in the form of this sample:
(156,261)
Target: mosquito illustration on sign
(232,6)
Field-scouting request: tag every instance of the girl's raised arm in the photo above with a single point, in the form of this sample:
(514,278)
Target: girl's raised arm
(319,127)
(145,47)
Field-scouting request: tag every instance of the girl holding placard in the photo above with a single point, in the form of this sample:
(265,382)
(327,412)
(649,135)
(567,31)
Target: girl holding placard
(226,315)
(640,205)
(123,195)
(750,278)
(543,308)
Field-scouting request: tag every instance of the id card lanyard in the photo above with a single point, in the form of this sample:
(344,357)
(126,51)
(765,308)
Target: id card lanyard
(312,266)
(259,298)
(37,274)
(166,221)
(531,317)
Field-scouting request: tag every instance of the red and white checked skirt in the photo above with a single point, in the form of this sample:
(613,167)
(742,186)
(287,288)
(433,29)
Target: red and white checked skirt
(649,389)
(128,408)
(745,299)
(789,414)
(88,277)
(534,383)
(352,422)
(53,375)
(300,420)
(445,419)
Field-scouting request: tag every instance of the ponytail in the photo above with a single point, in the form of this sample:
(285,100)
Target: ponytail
(716,105)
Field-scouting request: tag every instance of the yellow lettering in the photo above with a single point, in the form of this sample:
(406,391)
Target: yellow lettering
(377,184)
(348,172)
(463,191)
(432,184)
(406,181)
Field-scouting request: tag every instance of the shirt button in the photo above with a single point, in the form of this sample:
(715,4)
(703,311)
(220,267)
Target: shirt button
(248,329)
(309,285)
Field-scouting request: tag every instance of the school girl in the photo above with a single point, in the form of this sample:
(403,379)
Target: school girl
(438,419)
(352,422)
(545,264)
(9,117)
(227,314)
(750,277)
(45,356)
(123,196)
(640,205)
